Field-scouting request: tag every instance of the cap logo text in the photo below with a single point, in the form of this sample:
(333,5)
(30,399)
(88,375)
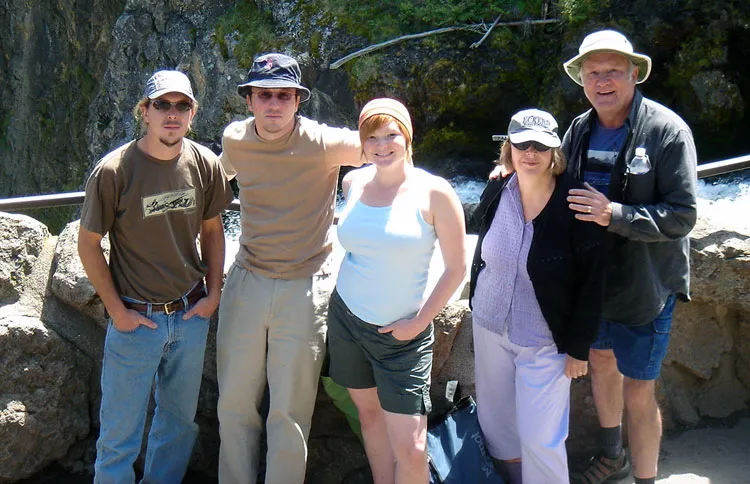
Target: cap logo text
(529,121)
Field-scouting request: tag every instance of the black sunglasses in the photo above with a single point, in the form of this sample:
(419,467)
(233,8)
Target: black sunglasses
(166,106)
(535,144)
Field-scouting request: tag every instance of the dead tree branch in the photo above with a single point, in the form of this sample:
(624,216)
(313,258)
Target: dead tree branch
(374,47)
(486,34)
(403,38)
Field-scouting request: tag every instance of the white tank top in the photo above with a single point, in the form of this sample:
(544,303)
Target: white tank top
(388,250)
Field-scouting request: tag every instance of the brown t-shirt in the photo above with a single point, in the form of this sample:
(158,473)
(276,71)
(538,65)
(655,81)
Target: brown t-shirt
(153,211)
(287,193)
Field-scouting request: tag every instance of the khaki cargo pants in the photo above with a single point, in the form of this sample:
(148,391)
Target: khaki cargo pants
(267,332)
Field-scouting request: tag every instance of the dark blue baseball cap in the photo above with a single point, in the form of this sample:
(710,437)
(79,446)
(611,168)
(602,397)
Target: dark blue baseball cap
(274,71)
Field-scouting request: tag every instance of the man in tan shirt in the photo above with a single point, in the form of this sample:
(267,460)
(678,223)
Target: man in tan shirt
(287,168)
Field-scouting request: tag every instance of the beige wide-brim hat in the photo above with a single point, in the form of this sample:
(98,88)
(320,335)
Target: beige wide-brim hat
(607,41)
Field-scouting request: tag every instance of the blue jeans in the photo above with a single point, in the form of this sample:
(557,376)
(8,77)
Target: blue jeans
(169,358)
(639,350)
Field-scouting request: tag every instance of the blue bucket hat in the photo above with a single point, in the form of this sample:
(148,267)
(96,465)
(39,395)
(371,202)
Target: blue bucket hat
(274,71)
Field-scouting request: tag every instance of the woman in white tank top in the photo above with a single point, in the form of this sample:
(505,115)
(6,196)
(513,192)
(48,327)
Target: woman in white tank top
(380,316)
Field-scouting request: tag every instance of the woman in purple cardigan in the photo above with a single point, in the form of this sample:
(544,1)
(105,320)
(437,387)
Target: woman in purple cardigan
(536,286)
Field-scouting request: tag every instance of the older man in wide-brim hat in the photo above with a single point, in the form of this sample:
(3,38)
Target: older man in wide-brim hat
(648,212)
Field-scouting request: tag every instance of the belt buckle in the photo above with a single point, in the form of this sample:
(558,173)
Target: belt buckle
(170,304)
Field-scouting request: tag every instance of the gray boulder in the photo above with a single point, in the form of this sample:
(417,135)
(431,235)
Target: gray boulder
(707,370)
(69,282)
(720,259)
(43,399)
(447,325)
(23,239)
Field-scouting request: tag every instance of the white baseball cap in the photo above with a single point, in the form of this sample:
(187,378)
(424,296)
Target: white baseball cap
(534,125)
(163,82)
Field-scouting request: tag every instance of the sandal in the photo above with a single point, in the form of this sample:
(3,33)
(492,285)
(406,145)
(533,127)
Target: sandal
(601,469)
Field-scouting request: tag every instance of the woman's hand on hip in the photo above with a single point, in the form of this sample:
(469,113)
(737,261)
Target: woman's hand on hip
(404,329)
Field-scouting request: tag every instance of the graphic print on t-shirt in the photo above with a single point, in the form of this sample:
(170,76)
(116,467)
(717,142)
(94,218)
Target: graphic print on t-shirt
(169,202)
(598,169)
(604,147)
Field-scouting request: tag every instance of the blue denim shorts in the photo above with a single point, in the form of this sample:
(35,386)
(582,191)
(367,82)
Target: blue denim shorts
(639,350)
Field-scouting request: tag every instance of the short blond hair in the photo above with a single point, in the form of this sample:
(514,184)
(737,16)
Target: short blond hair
(559,163)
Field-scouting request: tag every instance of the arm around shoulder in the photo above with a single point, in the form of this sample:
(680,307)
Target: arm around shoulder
(343,147)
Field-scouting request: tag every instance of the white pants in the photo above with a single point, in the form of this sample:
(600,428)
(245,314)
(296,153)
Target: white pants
(523,403)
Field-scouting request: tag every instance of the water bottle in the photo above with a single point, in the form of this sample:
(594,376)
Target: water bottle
(640,163)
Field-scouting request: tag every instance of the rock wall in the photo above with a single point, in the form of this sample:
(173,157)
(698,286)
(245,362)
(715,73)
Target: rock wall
(71,72)
(150,35)
(54,58)
(51,339)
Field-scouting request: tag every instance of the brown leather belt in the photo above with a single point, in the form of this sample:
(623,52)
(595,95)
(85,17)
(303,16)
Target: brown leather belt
(171,306)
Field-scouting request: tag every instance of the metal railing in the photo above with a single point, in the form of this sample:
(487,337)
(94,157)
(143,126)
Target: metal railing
(724,166)
(76,198)
(60,200)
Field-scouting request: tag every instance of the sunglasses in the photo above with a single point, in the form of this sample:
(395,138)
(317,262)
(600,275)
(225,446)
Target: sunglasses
(534,144)
(283,96)
(166,106)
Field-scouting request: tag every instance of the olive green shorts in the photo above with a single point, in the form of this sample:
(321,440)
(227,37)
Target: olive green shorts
(361,357)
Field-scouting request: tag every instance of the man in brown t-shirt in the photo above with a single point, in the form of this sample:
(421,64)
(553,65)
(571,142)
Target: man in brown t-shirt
(287,168)
(154,197)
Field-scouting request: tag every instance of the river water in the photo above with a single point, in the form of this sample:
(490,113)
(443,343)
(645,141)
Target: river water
(725,197)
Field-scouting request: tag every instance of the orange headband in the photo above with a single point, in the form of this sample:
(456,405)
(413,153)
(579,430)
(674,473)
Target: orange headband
(388,106)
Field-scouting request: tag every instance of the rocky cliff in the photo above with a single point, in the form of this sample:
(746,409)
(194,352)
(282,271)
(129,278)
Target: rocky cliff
(71,71)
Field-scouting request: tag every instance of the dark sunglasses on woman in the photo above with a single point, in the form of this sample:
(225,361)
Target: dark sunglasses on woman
(534,144)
